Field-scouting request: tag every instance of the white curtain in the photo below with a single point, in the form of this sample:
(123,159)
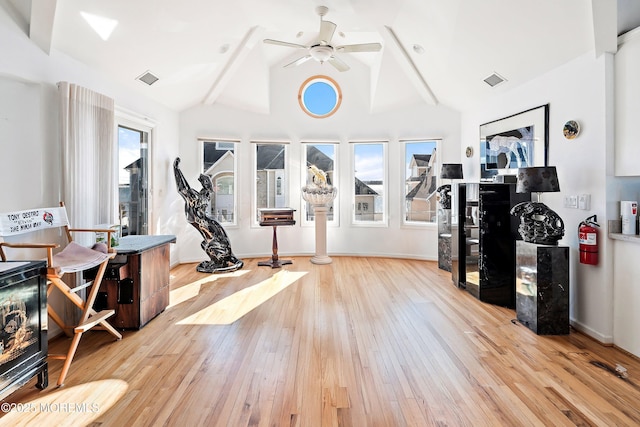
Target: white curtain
(89,186)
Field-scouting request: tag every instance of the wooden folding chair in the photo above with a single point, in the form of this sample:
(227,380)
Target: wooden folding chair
(73,258)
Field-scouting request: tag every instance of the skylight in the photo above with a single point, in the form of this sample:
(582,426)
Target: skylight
(101,25)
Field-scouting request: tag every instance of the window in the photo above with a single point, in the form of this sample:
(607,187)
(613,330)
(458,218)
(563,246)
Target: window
(322,156)
(320,96)
(271,186)
(219,164)
(133,180)
(421,181)
(369,185)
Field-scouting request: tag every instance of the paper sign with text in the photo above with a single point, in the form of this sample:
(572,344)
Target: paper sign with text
(13,223)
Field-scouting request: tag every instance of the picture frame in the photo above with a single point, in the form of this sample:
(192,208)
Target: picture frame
(512,142)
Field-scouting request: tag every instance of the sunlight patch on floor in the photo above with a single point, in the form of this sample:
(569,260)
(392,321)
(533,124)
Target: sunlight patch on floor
(68,406)
(186,292)
(233,307)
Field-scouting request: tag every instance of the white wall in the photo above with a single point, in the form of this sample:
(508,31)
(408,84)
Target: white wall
(580,90)
(287,122)
(31,157)
(29,142)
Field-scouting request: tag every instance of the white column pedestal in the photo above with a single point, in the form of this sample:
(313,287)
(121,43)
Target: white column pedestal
(321,256)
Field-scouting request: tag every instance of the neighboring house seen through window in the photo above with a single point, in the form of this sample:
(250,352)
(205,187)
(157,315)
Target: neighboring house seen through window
(421,181)
(271,188)
(133,180)
(219,164)
(322,156)
(369,186)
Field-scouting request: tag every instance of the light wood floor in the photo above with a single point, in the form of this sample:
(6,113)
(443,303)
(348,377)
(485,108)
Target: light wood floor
(360,342)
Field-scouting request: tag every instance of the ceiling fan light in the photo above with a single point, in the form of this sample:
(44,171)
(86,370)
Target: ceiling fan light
(321,53)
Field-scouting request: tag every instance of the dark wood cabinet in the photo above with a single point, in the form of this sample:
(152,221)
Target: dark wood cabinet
(136,283)
(486,237)
(23,335)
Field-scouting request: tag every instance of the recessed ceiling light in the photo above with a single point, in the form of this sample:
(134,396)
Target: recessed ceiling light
(418,49)
(101,25)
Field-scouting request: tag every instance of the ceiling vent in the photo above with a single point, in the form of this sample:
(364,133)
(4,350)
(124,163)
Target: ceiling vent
(494,79)
(147,78)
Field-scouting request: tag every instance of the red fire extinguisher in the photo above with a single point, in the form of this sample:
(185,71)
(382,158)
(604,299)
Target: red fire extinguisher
(588,237)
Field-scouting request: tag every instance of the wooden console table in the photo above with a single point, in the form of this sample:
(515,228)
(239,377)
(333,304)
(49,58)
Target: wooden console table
(274,218)
(136,283)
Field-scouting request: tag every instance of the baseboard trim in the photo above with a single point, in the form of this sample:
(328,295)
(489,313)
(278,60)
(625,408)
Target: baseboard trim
(606,340)
(284,255)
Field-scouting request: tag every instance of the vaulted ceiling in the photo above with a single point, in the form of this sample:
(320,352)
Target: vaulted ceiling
(212,51)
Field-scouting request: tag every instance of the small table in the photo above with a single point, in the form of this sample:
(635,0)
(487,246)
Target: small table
(136,283)
(274,218)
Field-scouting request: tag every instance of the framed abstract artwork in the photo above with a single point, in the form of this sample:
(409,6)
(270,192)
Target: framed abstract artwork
(517,141)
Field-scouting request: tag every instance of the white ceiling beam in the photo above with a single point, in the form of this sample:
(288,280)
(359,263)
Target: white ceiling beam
(604,15)
(409,67)
(248,42)
(41,26)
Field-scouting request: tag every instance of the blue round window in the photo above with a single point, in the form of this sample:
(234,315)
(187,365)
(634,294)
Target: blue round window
(320,96)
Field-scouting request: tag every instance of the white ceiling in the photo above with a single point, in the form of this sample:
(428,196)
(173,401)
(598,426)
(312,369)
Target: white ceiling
(202,50)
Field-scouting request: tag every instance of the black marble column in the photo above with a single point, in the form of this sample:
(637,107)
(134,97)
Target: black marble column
(542,287)
(444,239)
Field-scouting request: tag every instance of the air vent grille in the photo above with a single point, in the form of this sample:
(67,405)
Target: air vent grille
(147,78)
(494,79)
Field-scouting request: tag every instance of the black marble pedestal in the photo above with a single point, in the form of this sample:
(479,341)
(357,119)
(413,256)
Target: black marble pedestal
(444,239)
(542,287)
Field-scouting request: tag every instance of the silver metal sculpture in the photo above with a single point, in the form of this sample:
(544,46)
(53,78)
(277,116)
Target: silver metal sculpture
(444,196)
(216,242)
(538,223)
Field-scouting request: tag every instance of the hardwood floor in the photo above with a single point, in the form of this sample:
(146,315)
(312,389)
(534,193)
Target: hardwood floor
(359,342)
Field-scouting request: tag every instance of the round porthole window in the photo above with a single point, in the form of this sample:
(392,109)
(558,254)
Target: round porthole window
(320,96)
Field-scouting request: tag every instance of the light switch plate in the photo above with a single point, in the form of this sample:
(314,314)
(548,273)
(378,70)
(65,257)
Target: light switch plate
(584,202)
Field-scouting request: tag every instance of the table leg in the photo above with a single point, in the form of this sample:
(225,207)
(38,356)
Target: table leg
(275,262)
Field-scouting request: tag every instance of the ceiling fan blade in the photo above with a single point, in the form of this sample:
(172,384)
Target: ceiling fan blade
(364,47)
(339,64)
(327,28)
(281,43)
(298,61)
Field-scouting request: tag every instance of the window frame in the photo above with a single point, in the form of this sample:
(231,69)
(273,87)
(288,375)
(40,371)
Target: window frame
(236,144)
(320,79)
(255,222)
(418,224)
(132,120)
(335,220)
(384,222)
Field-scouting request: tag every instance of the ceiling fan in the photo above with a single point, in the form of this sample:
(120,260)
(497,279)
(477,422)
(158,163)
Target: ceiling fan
(322,50)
